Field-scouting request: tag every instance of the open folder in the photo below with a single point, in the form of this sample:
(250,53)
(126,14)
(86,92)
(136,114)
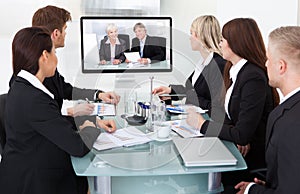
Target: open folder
(122,137)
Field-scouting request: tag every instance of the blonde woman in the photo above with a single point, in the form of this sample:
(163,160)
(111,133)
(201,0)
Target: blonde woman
(112,48)
(203,86)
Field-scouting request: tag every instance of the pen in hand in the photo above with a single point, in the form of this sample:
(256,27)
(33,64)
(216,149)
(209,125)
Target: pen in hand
(87,100)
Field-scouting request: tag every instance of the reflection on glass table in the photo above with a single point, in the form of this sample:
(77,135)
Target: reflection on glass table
(154,167)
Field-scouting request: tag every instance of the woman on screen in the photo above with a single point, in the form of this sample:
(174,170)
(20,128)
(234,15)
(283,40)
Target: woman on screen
(203,86)
(112,48)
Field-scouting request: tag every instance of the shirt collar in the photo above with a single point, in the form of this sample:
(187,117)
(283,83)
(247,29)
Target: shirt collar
(108,41)
(234,70)
(144,39)
(289,95)
(35,82)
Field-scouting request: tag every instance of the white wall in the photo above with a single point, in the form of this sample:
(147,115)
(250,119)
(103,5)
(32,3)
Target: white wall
(16,14)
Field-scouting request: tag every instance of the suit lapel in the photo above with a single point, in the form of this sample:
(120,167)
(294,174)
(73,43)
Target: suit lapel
(278,112)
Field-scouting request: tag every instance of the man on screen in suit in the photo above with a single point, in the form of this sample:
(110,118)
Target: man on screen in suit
(283,134)
(146,45)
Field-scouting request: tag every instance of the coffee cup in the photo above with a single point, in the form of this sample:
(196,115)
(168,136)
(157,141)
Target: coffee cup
(163,131)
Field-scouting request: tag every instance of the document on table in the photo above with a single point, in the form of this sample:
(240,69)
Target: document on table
(122,137)
(184,130)
(104,109)
(182,109)
(100,109)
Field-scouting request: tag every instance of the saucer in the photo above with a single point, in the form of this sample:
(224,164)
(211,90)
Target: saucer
(155,138)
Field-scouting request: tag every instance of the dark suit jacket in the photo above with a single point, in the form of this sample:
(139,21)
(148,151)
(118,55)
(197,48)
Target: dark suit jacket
(250,103)
(151,49)
(36,157)
(63,90)
(208,86)
(282,149)
(119,50)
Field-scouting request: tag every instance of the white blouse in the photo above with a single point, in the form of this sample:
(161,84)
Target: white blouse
(233,72)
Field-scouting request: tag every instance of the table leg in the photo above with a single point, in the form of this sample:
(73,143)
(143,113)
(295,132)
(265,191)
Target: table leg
(214,181)
(102,185)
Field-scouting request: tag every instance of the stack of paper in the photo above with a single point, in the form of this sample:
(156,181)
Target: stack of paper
(122,137)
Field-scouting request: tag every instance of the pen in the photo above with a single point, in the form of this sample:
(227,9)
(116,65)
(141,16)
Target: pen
(87,100)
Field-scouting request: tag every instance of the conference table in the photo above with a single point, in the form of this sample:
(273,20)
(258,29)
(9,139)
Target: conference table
(153,167)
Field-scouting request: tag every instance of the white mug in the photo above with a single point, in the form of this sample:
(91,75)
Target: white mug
(163,130)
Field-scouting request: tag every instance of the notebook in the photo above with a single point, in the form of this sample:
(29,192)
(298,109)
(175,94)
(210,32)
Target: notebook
(206,151)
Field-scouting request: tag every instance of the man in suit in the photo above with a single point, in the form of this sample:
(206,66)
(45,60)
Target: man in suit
(146,45)
(283,134)
(55,19)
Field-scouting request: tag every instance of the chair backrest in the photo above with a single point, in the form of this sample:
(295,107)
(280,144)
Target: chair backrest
(162,43)
(125,37)
(2,115)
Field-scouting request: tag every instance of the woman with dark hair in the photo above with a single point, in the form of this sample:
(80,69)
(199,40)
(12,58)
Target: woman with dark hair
(248,99)
(39,141)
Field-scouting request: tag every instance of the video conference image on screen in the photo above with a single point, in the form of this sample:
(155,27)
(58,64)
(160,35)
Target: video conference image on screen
(126,44)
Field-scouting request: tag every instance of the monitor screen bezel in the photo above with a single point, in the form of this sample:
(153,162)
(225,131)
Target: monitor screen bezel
(128,70)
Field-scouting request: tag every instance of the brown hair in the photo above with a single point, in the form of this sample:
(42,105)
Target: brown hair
(138,25)
(28,46)
(51,17)
(245,40)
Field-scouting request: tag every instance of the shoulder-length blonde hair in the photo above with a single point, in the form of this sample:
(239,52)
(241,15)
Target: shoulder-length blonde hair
(208,30)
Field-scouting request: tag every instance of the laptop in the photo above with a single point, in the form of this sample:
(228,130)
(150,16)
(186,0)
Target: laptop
(206,151)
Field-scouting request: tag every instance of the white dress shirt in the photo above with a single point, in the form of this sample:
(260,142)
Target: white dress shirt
(200,66)
(112,47)
(233,72)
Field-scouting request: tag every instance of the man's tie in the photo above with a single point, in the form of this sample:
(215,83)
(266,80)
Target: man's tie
(141,48)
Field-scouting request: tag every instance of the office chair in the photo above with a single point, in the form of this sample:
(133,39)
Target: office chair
(161,42)
(125,37)
(2,126)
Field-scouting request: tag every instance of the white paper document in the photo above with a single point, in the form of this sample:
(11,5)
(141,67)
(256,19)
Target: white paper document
(184,130)
(103,109)
(182,109)
(100,109)
(122,137)
(133,57)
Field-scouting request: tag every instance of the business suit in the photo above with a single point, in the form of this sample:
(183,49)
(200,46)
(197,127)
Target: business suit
(151,49)
(282,153)
(207,87)
(63,90)
(105,51)
(36,157)
(250,103)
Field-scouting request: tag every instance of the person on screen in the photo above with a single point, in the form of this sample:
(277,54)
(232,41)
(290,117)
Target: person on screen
(36,157)
(55,19)
(282,154)
(248,99)
(111,47)
(147,46)
(204,85)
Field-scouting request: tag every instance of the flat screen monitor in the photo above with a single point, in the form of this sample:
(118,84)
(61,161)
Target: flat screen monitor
(96,55)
